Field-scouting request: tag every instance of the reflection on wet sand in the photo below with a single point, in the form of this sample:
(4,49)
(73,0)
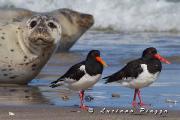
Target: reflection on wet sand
(62,96)
(21,95)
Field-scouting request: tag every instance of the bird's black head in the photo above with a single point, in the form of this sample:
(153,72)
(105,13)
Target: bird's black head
(151,53)
(94,63)
(94,55)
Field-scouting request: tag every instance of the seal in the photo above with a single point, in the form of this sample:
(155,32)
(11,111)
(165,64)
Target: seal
(26,46)
(74,24)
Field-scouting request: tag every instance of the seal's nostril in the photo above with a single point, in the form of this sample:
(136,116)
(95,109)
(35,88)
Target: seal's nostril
(33,24)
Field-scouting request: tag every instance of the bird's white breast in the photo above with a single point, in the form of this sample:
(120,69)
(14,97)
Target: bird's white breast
(85,82)
(144,79)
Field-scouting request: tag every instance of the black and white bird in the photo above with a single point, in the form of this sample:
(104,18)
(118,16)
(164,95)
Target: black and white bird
(139,73)
(83,75)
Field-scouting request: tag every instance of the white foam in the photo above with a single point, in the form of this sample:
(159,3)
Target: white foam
(121,15)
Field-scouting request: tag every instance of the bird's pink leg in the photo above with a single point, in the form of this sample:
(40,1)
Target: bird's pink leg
(141,103)
(134,104)
(81,96)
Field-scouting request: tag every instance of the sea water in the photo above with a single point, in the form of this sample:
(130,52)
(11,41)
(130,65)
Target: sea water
(121,15)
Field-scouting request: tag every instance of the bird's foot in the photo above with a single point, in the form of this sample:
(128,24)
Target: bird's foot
(134,104)
(83,107)
(141,104)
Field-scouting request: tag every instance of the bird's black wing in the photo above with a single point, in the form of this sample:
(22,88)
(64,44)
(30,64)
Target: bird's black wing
(73,74)
(131,70)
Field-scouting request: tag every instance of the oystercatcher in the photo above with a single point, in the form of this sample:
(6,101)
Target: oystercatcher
(83,75)
(139,73)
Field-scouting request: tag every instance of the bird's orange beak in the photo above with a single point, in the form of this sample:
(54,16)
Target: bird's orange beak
(162,59)
(99,59)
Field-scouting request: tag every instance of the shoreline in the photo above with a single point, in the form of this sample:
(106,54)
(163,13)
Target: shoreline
(46,112)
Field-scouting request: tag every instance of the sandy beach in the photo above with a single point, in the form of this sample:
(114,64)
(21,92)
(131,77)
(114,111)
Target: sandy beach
(60,113)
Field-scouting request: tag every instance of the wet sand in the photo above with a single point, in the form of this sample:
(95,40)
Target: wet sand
(58,113)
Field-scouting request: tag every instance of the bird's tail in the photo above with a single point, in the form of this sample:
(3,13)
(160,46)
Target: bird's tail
(56,83)
(106,79)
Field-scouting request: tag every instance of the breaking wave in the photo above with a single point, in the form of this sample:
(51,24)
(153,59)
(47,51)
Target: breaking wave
(120,15)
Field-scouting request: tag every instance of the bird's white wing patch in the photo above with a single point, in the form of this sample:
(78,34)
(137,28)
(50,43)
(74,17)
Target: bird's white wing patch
(82,68)
(145,74)
(144,67)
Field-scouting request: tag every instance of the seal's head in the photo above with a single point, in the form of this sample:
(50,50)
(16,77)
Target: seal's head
(81,20)
(42,31)
(74,24)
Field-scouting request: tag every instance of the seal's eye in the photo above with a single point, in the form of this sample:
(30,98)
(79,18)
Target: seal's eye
(52,25)
(33,23)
